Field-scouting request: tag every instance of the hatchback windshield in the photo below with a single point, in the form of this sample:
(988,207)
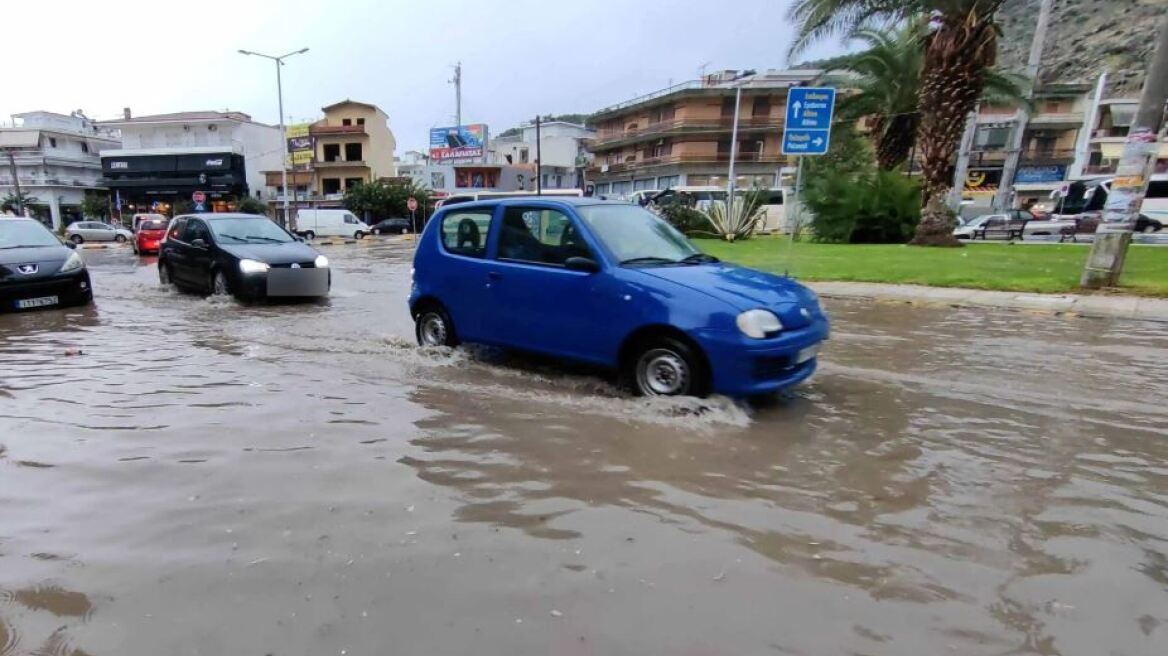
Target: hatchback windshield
(634,236)
(14,234)
(248,231)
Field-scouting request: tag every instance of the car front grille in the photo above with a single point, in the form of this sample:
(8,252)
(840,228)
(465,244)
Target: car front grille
(309,264)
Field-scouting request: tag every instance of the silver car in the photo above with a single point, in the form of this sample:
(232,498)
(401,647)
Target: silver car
(83,231)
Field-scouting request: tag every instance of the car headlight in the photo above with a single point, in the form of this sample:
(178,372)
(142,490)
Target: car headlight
(757,324)
(253,266)
(72,263)
(321,262)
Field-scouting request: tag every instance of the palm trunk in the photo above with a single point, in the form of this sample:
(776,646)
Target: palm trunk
(896,141)
(959,52)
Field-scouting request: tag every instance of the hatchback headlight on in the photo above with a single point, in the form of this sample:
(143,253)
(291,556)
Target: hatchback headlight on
(72,263)
(253,266)
(757,324)
(321,262)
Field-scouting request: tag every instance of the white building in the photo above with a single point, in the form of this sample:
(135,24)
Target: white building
(56,161)
(563,152)
(166,157)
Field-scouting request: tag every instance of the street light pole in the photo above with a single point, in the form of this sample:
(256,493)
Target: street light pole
(733,149)
(283,130)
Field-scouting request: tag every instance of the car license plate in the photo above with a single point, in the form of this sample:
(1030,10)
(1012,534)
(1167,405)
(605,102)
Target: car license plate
(42,301)
(298,282)
(806,354)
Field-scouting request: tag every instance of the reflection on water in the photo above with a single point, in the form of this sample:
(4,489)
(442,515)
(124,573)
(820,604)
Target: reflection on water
(182,475)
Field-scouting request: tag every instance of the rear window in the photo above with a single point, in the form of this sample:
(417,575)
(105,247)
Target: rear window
(153,225)
(465,233)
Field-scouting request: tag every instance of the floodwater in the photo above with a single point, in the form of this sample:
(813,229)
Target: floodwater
(211,478)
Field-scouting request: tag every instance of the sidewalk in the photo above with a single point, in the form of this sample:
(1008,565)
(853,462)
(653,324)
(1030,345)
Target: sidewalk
(1086,305)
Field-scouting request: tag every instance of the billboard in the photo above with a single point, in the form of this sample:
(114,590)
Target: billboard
(459,142)
(1040,174)
(301,148)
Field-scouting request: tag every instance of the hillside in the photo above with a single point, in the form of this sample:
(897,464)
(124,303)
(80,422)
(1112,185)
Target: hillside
(1085,38)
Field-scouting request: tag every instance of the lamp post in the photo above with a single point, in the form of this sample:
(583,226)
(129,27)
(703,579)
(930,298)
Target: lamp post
(283,135)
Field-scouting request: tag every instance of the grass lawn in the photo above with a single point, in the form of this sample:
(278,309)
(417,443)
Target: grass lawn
(1046,268)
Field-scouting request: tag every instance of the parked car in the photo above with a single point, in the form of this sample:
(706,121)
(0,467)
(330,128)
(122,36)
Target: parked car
(37,270)
(83,231)
(1146,223)
(395,226)
(313,223)
(137,219)
(610,284)
(149,236)
(245,255)
(1034,227)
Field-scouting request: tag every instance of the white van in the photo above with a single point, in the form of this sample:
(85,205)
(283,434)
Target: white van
(312,223)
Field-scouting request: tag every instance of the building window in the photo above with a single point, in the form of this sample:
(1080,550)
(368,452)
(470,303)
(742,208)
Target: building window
(360,121)
(728,106)
(661,150)
(332,152)
(437,180)
(353,152)
(602,189)
(84,147)
(346,121)
(559,182)
(522,155)
(643,184)
(331,185)
(991,138)
(761,107)
(350,183)
(52,142)
(668,181)
(697,180)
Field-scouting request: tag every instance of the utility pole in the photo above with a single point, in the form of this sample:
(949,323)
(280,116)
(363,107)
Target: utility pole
(1022,114)
(1130,185)
(16,184)
(457,82)
(538,161)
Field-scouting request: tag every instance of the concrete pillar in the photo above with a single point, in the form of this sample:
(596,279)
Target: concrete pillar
(1105,262)
(55,210)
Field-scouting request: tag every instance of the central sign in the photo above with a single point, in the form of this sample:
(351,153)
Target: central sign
(807,129)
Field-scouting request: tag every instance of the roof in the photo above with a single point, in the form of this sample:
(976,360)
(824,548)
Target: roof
(177,117)
(347,101)
(574,201)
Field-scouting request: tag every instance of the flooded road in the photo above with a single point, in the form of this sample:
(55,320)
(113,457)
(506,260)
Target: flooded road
(211,478)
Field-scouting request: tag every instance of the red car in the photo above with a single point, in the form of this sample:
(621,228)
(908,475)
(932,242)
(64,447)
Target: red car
(149,236)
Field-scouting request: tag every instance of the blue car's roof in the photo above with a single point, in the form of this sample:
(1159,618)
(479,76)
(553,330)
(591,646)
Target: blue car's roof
(573,201)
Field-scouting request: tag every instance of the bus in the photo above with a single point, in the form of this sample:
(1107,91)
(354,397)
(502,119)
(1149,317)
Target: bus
(1084,196)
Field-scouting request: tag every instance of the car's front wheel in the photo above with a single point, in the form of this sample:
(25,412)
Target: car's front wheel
(358,235)
(121,239)
(667,367)
(77,239)
(377,231)
(309,235)
(219,284)
(433,327)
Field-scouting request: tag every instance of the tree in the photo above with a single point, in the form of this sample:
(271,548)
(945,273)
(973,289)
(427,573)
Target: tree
(887,79)
(251,205)
(960,47)
(95,206)
(384,198)
(12,203)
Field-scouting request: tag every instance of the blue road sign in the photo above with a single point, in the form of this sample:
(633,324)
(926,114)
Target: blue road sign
(808,125)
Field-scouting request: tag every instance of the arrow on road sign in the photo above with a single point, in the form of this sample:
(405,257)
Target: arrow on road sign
(798,106)
(818,141)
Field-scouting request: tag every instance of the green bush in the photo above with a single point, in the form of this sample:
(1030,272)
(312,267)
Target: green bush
(684,218)
(883,207)
(249,205)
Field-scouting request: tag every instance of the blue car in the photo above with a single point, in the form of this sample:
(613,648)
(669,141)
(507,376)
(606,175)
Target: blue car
(610,284)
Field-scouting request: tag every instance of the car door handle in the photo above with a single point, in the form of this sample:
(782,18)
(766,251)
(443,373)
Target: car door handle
(494,275)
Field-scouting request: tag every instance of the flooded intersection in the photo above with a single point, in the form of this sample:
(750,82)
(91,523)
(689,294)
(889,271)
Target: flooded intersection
(207,478)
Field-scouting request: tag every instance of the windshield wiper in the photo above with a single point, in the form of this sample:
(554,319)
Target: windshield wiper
(647,260)
(236,238)
(699,258)
(271,239)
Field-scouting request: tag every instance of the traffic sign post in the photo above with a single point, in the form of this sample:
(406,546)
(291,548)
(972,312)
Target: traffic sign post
(806,132)
(412,206)
(199,198)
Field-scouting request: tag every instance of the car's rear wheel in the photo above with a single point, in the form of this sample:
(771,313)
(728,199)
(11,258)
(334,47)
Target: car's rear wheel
(164,277)
(77,239)
(433,327)
(667,367)
(309,235)
(219,284)
(121,239)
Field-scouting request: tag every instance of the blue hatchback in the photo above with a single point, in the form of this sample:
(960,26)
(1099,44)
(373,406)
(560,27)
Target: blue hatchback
(610,284)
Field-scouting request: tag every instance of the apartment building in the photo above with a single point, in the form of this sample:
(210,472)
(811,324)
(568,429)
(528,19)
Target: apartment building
(681,135)
(55,161)
(165,158)
(564,152)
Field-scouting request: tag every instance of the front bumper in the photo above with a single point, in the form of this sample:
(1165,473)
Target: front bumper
(258,285)
(741,366)
(70,289)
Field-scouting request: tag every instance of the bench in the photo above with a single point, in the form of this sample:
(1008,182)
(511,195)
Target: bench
(1083,226)
(1012,229)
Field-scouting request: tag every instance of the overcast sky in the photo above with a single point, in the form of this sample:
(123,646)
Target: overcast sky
(519,57)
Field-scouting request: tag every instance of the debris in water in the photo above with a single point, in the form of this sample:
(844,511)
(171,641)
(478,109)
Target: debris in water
(721,576)
(72,352)
(556,613)
(409,509)
(257,561)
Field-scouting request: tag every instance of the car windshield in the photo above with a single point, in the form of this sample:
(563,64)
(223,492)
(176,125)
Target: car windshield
(15,234)
(247,231)
(636,237)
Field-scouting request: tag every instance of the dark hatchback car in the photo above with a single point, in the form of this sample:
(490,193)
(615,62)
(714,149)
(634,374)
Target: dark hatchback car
(394,226)
(245,255)
(37,270)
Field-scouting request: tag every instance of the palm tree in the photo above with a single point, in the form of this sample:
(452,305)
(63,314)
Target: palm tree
(960,47)
(886,78)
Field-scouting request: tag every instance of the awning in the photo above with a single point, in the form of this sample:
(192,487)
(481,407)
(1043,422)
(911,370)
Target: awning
(20,139)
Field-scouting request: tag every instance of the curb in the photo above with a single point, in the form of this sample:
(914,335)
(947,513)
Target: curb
(1069,305)
(89,246)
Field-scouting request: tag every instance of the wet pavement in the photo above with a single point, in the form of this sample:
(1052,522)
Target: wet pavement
(212,478)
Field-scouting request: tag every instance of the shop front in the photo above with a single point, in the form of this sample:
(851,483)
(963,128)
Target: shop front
(153,181)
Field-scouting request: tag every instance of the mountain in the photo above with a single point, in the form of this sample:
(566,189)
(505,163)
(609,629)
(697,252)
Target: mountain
(1085,38)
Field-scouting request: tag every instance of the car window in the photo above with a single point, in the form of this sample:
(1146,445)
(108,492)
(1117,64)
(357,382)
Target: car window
(545,236)
(465,233)
(349,218)
(196,230)
(176,229)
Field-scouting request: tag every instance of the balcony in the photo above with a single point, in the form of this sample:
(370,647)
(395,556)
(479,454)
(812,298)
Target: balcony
(1109,168)
(688,158)
(1057,119)
(330,130)
(342,164)
(610,138)
(1047,156)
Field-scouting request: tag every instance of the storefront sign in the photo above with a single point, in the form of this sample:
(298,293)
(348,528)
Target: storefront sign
(301,146)
(1040,174)
(459,142)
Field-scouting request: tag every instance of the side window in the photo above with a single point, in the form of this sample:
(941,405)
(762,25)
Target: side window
(176,229)
(196,230)
(349,218)
(465,233)
(539,235)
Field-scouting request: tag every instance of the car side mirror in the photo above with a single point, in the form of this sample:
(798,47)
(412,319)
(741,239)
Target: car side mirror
(585,264)
(199,243)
